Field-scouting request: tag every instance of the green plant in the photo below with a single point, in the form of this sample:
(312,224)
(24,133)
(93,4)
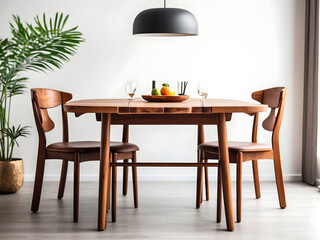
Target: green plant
(41,47)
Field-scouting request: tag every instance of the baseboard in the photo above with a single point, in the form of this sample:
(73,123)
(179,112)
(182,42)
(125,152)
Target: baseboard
(265,178)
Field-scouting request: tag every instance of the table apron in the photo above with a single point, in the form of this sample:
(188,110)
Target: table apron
(164,119)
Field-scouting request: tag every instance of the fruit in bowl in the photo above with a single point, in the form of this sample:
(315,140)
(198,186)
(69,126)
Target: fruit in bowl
(156,92)
(165,90)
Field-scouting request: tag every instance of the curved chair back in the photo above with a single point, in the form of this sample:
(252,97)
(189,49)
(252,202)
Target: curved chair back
(43,99)
(275,99)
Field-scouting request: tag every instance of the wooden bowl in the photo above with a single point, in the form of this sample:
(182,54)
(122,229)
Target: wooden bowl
(165,98)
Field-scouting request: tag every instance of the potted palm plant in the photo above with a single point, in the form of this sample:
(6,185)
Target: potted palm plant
(39,47)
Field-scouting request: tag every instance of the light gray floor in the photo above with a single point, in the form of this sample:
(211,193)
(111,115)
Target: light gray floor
(166,211)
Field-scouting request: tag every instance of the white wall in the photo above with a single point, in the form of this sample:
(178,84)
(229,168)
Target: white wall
(243,46)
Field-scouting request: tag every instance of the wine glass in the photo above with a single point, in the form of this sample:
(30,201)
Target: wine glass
(131,89)
(203,89)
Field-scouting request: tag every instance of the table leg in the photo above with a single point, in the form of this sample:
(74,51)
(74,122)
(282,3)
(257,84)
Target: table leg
(225,170)
(104,170)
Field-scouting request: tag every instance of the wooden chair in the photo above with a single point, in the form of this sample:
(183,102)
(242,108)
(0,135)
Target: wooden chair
(77,151)
(240,152)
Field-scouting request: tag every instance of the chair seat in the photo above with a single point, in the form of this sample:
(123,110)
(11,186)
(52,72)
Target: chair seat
(92,146)
(235,146)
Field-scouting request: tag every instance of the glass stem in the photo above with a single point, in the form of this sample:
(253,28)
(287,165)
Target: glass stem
(130,100)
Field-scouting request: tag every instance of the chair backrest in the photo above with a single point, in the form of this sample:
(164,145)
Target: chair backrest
(43,99)
(275,99)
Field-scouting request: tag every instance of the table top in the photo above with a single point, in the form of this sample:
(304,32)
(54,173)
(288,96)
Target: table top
(140,106)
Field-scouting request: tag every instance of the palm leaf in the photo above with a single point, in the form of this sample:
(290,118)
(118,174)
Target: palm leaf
(45,47)
(14,133)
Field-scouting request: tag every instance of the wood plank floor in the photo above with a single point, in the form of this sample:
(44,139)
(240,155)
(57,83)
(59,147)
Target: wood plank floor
(166,211)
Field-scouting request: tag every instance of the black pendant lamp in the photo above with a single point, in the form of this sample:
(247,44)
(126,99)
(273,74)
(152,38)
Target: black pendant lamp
(165,22)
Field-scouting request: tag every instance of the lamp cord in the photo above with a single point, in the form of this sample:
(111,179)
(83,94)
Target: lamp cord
(165,3)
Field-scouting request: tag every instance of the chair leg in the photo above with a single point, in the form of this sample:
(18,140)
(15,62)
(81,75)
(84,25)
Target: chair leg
(279,180)
(109,186)
(63,177)
(109,190)
(38,181)
(256,178)
(114,189)
(239,186)
(219,196)
(206,173)
(125,179)
(135,182)
(76,183)
(199,181)
(201,175)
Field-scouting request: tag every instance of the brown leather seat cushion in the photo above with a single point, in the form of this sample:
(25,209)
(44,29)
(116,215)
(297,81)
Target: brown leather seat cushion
(235,146)
(91,146)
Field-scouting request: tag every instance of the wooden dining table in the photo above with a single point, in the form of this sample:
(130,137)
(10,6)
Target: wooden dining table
(140,112)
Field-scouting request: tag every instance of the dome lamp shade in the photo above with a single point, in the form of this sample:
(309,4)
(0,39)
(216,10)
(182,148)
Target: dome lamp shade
(165,22)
